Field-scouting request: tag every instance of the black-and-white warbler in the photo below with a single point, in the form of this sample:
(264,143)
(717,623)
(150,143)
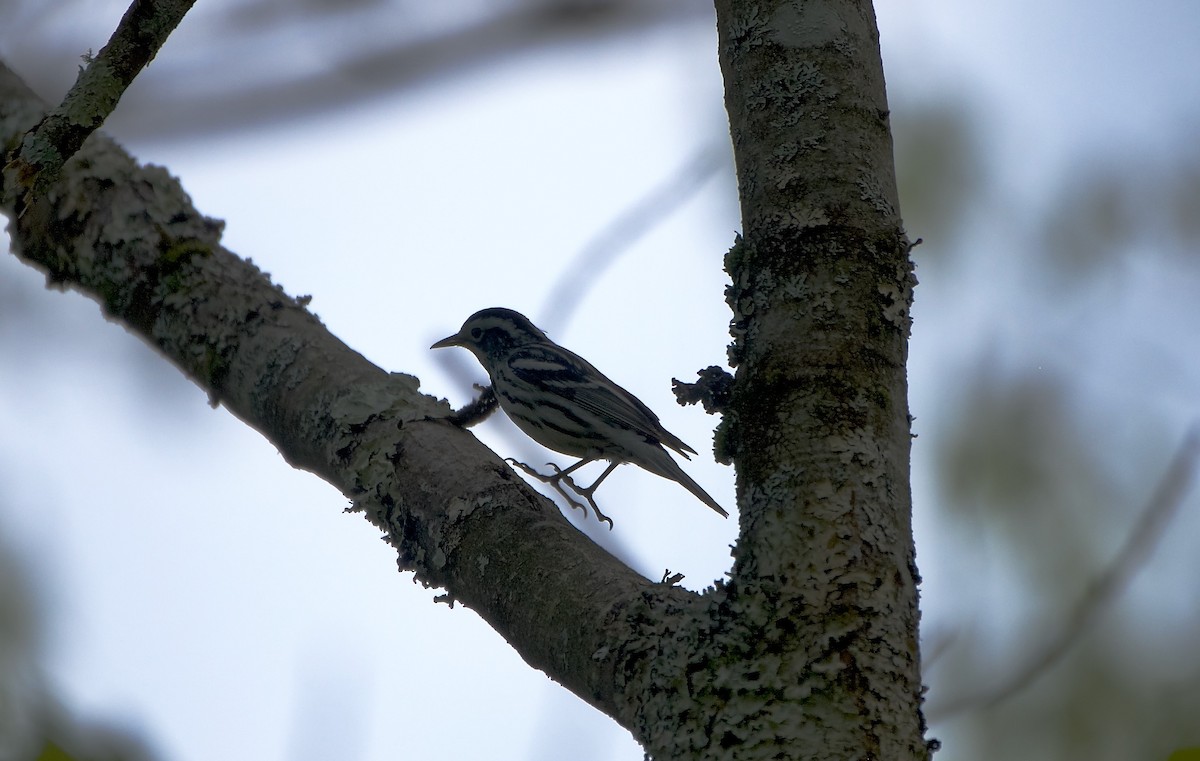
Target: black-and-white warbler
(560,401)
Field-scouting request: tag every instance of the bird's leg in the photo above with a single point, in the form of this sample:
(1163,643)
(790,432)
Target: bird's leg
(474,412)
(563,476)
(557,478)
(588,492)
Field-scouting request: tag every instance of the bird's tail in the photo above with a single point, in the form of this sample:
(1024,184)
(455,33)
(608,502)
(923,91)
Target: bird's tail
(658,462)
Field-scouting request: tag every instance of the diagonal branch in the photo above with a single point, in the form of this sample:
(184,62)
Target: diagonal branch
(128,237)
(142,31)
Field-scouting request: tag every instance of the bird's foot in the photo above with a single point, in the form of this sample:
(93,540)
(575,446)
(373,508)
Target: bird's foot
(474,412)
(557,479)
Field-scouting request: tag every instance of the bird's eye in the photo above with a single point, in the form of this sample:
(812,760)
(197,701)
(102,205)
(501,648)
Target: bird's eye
(476,333)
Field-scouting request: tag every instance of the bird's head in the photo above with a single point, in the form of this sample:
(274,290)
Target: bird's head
(493,333)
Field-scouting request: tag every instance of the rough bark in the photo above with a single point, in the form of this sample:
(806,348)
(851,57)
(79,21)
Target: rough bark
(824,576)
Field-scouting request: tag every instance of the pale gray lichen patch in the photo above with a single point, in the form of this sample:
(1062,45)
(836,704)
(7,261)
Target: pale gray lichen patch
(895,308)
(460,508)
(396,396)
(860,447)
(788,94)
(747,26)
(898,295)
(365,446)
(87,106)
(801,217)
(796,287)
(437,560)
(875,194)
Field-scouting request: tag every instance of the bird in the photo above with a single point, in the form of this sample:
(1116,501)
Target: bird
(561,401)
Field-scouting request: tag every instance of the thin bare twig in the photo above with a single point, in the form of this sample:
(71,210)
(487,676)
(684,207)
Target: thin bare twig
(1162,508)
(101,83)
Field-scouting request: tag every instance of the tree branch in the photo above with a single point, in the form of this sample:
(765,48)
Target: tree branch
(459,518)
(142,31)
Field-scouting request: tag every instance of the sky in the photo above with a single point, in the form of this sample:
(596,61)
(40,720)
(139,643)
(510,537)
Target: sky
(196,591)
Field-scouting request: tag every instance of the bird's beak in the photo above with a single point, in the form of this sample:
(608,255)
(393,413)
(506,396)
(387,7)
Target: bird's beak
(454,340)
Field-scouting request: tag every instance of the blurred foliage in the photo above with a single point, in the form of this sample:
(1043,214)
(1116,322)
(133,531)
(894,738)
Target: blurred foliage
(21,638)
(1098,705)
(1041,470)
(940,171)
(1032,457)
(1109,209)
(32,723)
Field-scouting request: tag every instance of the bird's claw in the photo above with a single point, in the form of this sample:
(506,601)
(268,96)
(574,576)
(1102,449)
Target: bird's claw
(526,469)
(586,494)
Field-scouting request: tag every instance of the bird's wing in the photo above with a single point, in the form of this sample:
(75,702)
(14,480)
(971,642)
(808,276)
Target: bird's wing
(562,372)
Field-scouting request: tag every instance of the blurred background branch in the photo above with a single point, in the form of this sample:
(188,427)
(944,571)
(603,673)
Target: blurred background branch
(1168,497)
(279,61)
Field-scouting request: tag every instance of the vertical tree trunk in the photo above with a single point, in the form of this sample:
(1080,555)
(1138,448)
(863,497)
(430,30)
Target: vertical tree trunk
(824,582)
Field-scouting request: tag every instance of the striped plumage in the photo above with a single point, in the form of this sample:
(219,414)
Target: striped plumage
(560,401)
